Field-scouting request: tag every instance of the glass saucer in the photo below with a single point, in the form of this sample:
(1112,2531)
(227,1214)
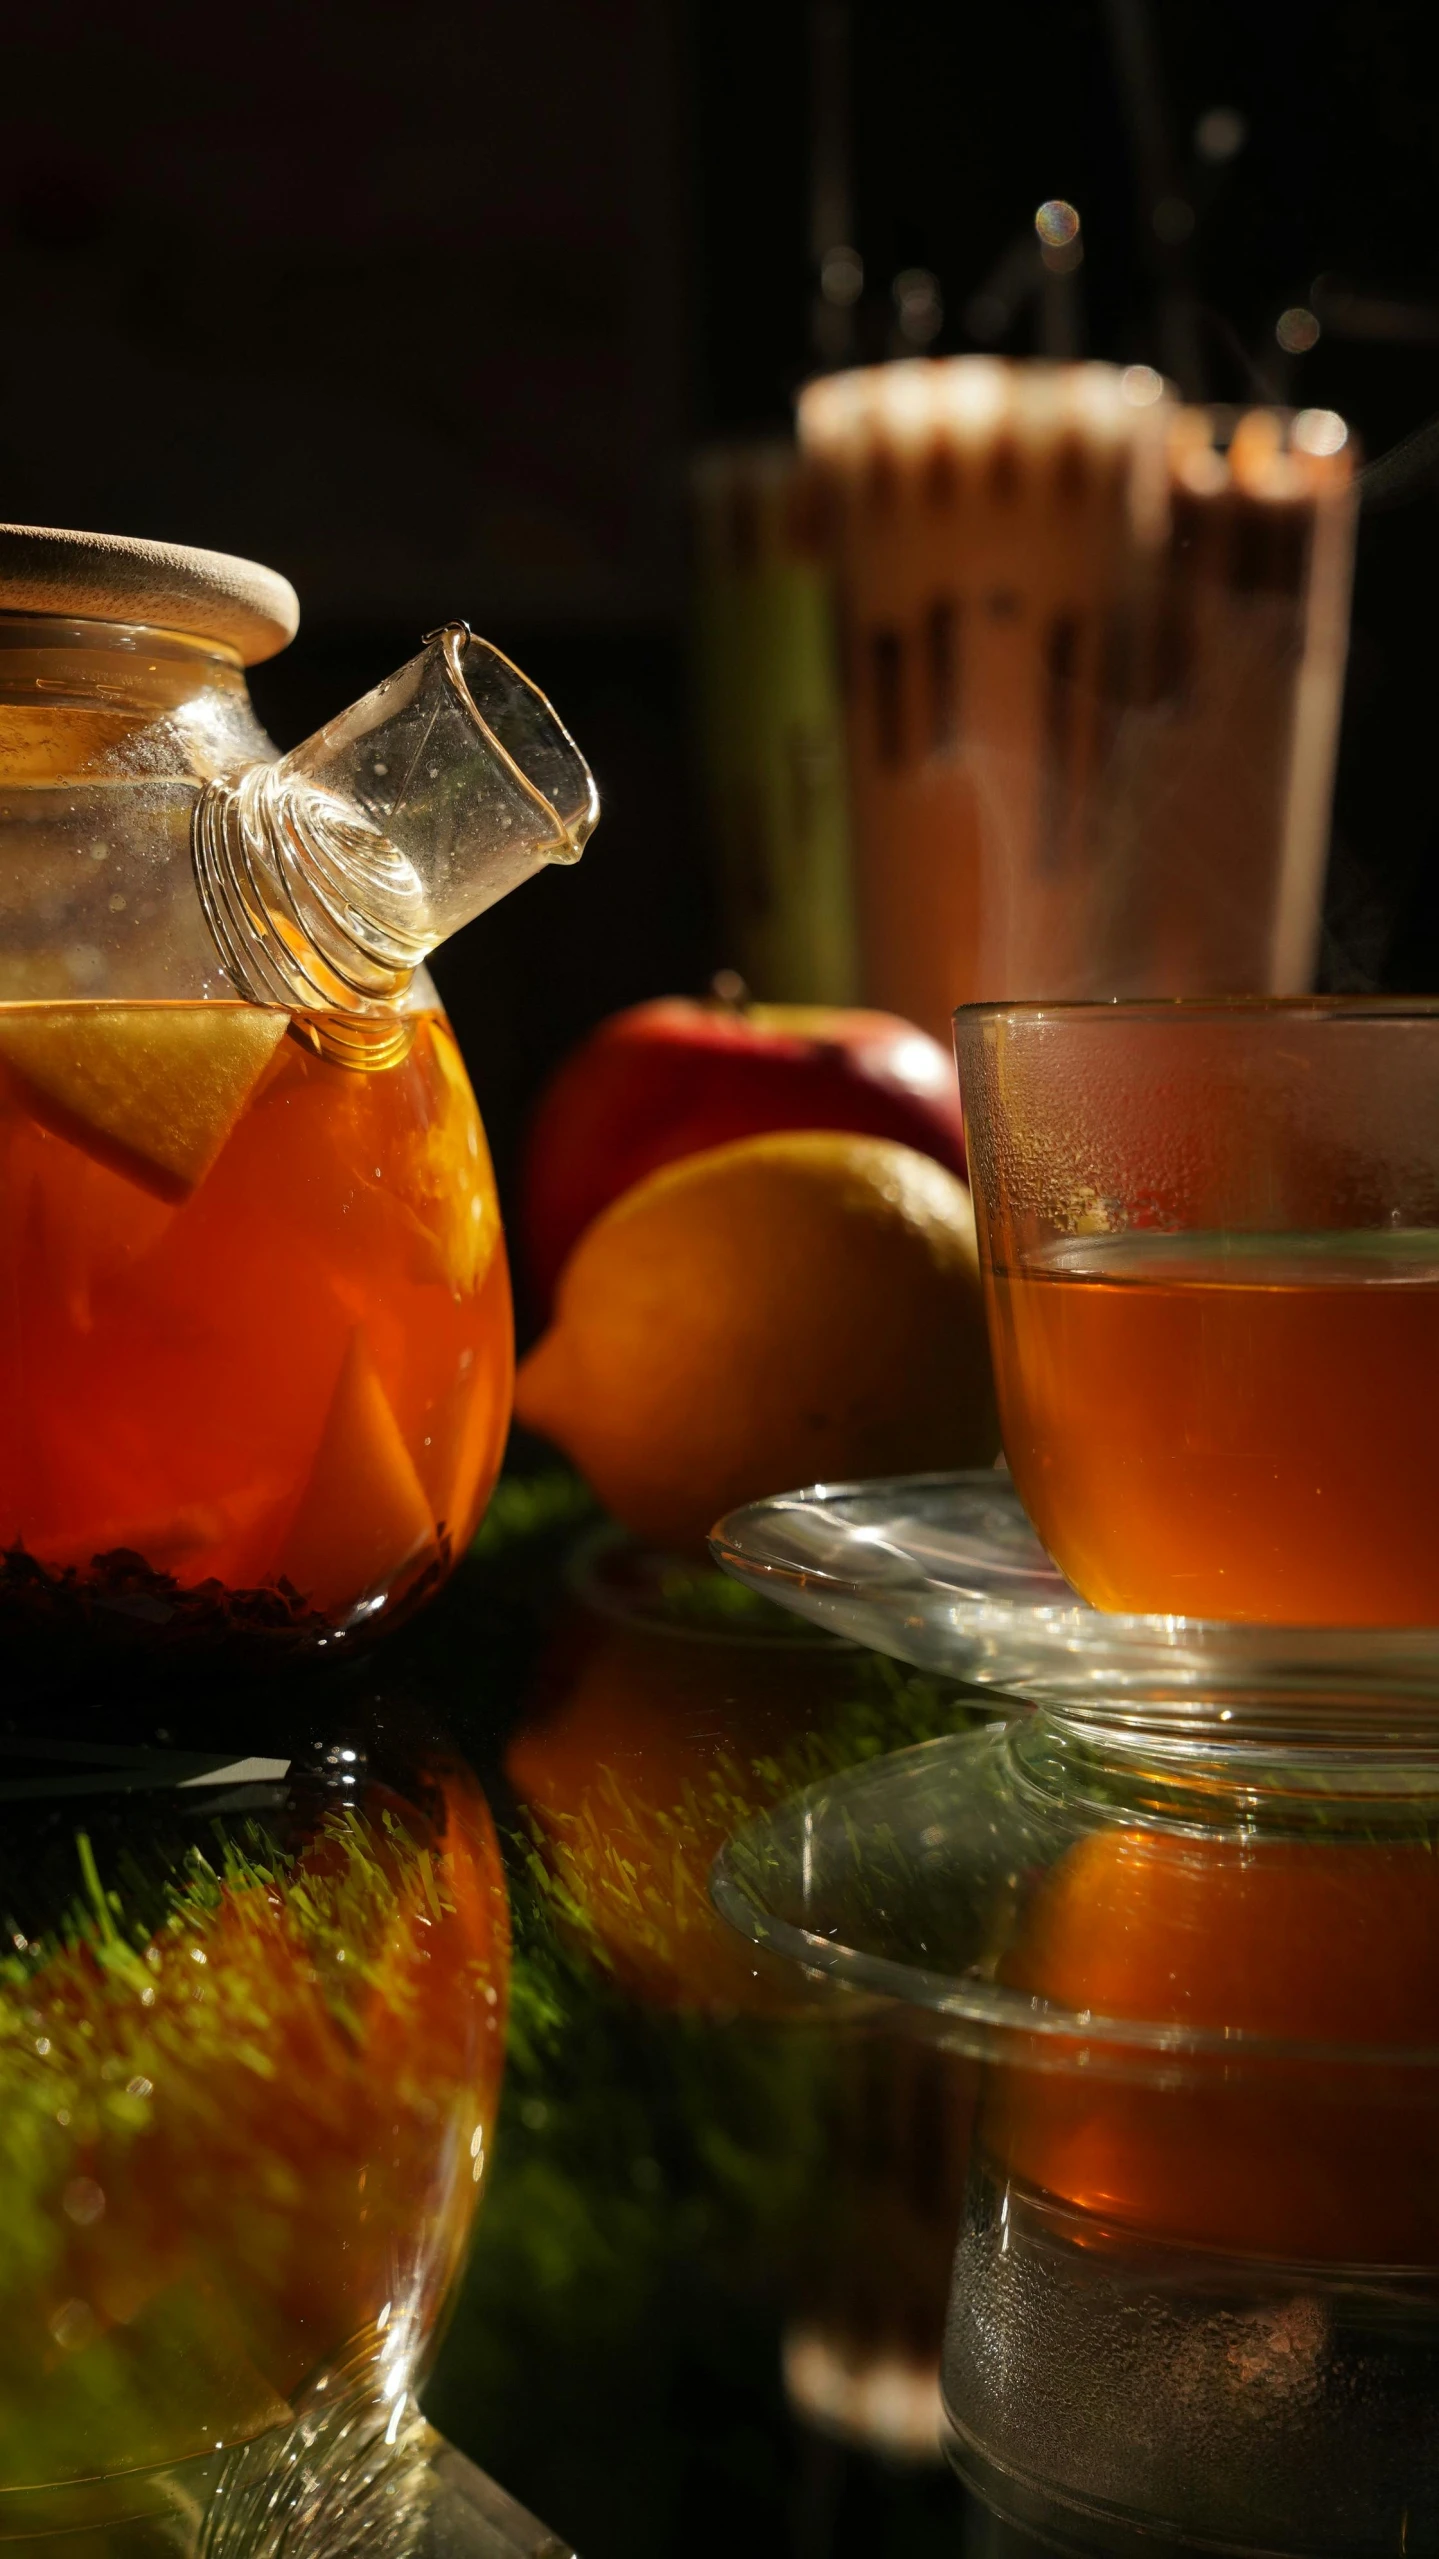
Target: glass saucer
(946,1572)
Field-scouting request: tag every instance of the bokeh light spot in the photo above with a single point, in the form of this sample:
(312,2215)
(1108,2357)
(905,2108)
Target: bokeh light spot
(919,305)
(1057,223)
(1319,431)
(1220,134)
(1297,330)
(841,275)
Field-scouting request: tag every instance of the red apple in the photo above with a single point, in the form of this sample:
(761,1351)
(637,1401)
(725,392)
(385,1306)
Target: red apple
(669,1078)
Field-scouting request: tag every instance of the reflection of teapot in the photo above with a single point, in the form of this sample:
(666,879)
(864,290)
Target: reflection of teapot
(256,1353)
(250,2081)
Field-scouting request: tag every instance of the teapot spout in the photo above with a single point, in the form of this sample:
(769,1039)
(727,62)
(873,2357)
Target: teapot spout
(329,876)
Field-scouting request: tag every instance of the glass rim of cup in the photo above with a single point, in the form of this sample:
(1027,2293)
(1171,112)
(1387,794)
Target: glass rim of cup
(1158,1008)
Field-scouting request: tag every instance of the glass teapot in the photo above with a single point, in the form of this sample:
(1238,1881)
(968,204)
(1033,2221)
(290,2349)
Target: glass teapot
(255,1355)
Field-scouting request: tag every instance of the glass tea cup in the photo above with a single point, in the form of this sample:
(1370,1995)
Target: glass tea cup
(1210,1240)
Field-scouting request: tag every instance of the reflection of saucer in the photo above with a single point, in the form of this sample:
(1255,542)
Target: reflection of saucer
(946,1572)
(904,1884)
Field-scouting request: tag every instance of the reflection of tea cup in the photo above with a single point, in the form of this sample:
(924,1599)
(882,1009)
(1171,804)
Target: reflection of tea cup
(1210,1237)
(1246,2259)
(1196,2295)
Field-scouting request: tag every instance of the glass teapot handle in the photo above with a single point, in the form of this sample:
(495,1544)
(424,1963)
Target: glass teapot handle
(328,876)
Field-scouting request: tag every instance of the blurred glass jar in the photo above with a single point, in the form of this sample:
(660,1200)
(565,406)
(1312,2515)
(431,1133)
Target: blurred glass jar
(771,726)
(1094,646)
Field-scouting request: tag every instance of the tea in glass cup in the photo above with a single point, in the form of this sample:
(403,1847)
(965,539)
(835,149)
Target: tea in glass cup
(1210,1237)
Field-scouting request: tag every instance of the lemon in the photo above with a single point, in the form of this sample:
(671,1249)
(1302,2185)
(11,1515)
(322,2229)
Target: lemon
(771,1313)
(152,1088)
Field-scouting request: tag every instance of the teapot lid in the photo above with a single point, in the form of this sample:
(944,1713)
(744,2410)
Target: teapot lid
(119,577)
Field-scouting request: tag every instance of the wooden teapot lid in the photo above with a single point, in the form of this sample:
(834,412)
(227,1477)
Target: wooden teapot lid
(118,577)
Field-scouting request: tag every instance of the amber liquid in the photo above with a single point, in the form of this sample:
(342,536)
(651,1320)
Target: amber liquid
(1231,1425)
(295,1373)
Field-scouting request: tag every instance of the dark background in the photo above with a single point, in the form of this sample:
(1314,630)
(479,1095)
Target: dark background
(426,305)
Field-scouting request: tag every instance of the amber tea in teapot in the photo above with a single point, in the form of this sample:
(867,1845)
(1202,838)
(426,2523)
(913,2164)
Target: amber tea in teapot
(255,1334)
(258,1311)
